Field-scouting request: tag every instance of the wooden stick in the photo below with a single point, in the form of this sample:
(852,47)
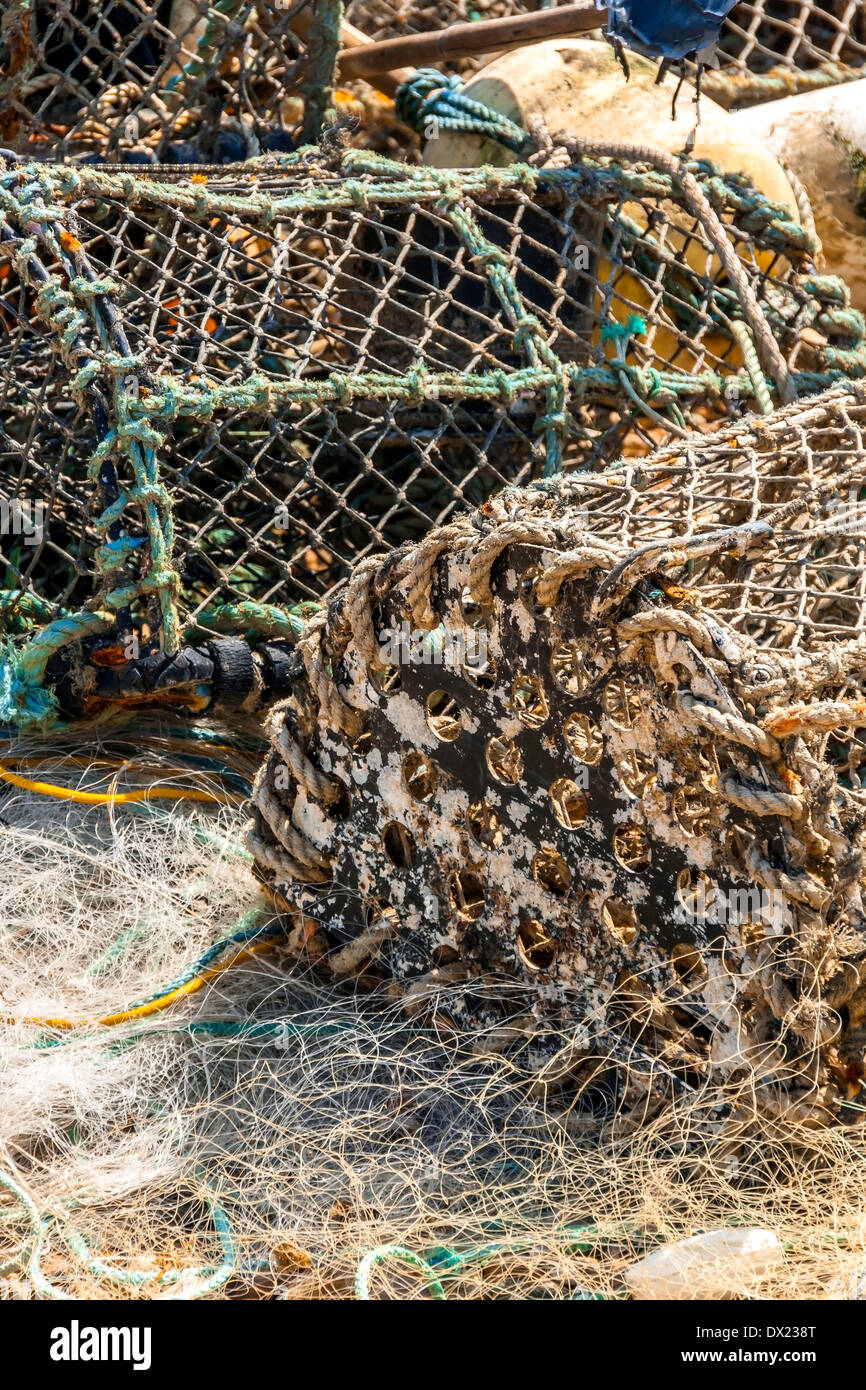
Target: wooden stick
(467,40)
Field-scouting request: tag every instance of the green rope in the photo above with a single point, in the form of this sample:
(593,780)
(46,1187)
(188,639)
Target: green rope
(430,102)
(195,1283)
(215,39)
(317,88)
(746,345)
(383,1254)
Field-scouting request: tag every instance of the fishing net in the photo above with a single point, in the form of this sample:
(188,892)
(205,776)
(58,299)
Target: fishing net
(271,1134)
(274,434)
(140,82)
(594,749)
(219,397)
(191,82)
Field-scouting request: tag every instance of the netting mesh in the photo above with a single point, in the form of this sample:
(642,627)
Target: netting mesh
(769,48)
(264,383)
(796,37)
(140,82)
(192,82)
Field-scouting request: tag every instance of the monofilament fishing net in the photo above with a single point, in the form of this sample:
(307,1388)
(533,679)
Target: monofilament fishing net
(273,1135)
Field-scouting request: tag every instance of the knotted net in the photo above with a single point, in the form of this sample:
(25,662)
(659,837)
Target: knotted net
(220,395)
(171,81)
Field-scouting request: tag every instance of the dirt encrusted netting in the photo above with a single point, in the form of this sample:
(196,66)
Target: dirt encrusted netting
(624,784)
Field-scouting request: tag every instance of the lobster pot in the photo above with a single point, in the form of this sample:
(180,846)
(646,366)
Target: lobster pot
(619,791)
(233,391)
(143,81)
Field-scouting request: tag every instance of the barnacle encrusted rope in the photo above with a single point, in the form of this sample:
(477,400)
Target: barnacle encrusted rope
(711,741)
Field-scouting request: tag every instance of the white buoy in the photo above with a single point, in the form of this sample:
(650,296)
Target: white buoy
(821,136)
(713,1265)
(577,86)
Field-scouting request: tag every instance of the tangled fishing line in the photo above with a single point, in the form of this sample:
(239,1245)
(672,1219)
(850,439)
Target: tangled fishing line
(270,1135)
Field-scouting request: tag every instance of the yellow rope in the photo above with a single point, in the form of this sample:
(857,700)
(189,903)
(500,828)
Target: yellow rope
(155,1005)
(114,798)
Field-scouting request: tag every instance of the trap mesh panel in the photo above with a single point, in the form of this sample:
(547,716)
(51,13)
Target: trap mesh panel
(773,48)
(614,776)
(142,80)
(383,19)
(222,393)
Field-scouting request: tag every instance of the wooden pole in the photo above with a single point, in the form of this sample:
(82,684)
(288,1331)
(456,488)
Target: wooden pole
(466,40)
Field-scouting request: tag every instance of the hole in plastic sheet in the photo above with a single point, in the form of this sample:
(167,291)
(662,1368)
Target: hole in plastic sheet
(380,910)
(444,717)
(568,668)
(420,776)
(584,739)
(620,919)
(528,581)
(530,701)
(362,743)
(399,844)
(466,895)
(341,806)
(485,825)
(698,895)
(535,945)
(551,871)
(631,847)
(621,702)
(387,679)
(504,760)
(569,803)
(691,806)
(688,964)
(474,613)
(636,772)
(481,673)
